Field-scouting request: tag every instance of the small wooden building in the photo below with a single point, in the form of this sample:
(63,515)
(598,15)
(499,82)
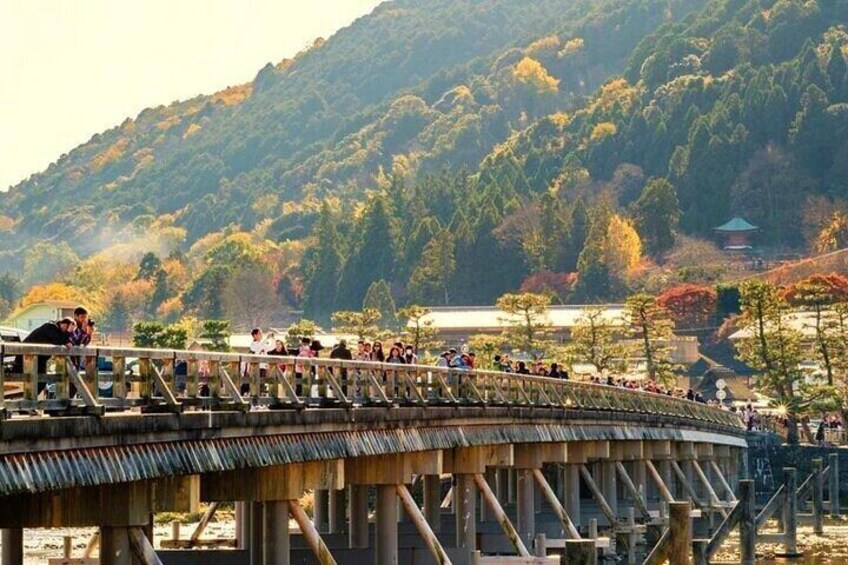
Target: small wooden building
(737,234)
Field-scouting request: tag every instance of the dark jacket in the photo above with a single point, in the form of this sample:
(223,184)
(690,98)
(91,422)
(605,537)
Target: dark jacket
(341,352)
(48,334)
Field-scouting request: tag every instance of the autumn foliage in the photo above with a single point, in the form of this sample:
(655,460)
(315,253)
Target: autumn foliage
(690,305)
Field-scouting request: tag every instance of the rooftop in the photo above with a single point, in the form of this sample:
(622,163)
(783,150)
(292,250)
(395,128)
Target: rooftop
(490,317)
(737,225)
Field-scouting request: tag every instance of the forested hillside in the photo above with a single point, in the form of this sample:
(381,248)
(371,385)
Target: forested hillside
(447,151)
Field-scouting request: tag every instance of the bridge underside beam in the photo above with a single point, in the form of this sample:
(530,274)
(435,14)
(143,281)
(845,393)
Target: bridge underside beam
(128,504)
(278,482)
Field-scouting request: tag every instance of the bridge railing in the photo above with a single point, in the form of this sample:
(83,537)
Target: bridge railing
(93,380)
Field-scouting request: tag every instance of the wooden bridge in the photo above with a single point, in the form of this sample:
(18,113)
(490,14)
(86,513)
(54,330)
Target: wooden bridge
(534,464)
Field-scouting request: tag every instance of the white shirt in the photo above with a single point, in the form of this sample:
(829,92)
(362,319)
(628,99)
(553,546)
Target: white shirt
(260,347)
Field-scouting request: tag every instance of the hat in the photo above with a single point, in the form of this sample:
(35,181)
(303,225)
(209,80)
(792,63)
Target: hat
(316,345)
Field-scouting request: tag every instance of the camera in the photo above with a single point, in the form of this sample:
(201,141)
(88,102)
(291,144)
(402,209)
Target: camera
(91,323)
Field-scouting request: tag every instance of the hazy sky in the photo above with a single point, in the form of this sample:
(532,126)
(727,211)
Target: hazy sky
(72,68)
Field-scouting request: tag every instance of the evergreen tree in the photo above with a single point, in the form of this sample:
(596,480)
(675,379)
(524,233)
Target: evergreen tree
(579,230)
(149,267)
(773,349)
(322,265)
(373,254)
(593,274)
(363,324)
(417,330)
(379,298)
(147,334)
(431,279)
(218,332)
(837,73)
(527,323)
(593,341)
(652,326)
(656,214)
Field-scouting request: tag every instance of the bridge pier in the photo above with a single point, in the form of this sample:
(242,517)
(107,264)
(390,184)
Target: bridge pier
(276,542)
(115,546)
(433,501)
(13,546)
(358,526)
(386,538)
(572,492)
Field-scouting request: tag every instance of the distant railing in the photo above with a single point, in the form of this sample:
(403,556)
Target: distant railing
(174,381)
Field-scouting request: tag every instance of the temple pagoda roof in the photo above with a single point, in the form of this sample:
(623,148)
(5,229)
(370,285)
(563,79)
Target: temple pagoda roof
(738,225)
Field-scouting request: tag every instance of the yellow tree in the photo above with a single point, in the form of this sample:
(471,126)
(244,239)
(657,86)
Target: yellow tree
(623,248)
(527,325)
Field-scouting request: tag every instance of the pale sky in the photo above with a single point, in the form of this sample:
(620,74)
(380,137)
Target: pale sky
(73,68)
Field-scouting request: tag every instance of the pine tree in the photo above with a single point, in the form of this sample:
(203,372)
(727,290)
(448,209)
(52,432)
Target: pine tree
(379,298)
(373,255)
(656,213)
(836,73)
(593,274)
(773,349)
(417,330)
(322,265)
(527,323)
(579,224)
(652,326)
(593,341)
(431,279)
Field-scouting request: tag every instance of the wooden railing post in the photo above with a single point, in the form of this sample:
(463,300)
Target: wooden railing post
(818,496)
(790,510)
(748,521)
(833,484)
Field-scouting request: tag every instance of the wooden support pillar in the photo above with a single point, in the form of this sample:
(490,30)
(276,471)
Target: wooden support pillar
(748,522)
(276,538)
(501,483)
(115,546)
(320,510)
(337,510)
(833,484)
(630,487)
(512,486)
(465,503)
(818,497)
(490,480)
(610,485)
(311,535)
(142,548)
(13,546)
(680,533)
(432,501)
(257,530)
(599,496)
(549,495)
(386,550)
(358,531)
(526,513)
(640,478)
(790,511)
(500,516)
(422,526)
(731,496)
(580,552)
(242,525)
(572,492)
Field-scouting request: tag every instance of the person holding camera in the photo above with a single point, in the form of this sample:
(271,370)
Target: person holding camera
(82,334)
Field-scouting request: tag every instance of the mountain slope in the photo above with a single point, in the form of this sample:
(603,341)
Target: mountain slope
(431,81)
